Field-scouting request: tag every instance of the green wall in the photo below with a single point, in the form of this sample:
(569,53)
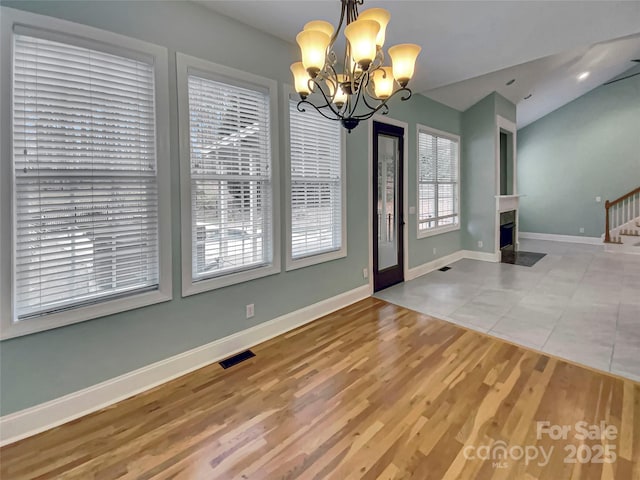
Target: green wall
(40,367)
(505,108)
(478,175)
(587,148)
(479,188)
(423,110)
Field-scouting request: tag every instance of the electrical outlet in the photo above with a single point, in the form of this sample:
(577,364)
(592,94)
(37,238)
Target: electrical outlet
(434,251)
(480,244)
(581,229)
(598,199)
(365,273)
(250,311)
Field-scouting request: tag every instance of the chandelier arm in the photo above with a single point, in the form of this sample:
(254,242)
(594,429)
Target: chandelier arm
(372,94)
(358,96)
(331,58)
(350,67)
(346,66)
(333,79)
(342,12)
(384,105)
(310,84)
(371,113)
(407,91)
(376,63)
(383,109)
(365,116)
(349,108)
(317,109)
(327,76)
(369,106)
(328,102)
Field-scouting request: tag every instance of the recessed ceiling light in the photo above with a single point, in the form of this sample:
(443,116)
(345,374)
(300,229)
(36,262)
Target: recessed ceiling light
(511,82)
(583,75)
(528,96)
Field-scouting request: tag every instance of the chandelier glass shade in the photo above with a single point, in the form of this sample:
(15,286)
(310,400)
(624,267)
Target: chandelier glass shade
(355,86)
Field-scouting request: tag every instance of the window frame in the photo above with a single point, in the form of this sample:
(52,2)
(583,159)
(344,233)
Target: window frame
(186,64)
(446,228)
(88,37)
(312,259)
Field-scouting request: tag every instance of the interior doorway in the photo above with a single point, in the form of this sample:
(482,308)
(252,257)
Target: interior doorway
(506,163)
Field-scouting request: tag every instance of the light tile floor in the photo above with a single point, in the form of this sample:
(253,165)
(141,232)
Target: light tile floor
(578,302)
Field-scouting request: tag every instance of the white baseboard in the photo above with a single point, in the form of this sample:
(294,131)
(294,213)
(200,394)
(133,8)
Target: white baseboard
(561,238)
(428,267)
(483,256)
(27,422)
(425,268)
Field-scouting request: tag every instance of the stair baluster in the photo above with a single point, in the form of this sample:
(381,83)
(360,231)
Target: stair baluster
(619,212)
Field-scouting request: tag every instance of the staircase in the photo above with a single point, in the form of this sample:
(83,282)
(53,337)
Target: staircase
(622,228)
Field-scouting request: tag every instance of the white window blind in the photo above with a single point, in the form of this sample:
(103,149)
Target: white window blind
(316,183)
(86,196)
(231,192)
(438,189)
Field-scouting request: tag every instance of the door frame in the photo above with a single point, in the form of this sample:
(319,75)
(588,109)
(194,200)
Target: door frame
(503,124)
(405,192)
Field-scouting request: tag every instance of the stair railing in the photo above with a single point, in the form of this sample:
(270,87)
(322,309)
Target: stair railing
(620,211)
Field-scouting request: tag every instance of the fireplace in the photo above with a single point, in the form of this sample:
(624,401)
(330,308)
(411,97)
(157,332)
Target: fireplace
(508,230)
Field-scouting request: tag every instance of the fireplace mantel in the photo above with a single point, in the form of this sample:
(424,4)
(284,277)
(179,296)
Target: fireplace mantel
(504,203)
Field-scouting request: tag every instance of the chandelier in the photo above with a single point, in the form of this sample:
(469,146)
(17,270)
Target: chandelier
(359,85)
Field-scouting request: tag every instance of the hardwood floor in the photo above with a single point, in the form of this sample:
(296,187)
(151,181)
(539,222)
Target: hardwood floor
(372,391)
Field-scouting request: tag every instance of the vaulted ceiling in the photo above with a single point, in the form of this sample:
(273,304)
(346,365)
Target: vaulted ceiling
(471,48)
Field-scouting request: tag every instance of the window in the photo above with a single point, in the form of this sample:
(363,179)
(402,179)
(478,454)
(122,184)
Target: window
(86,227)
(438,182)
(230,179)
(316,194)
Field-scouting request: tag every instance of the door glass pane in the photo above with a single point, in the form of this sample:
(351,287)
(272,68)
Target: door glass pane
(387,202)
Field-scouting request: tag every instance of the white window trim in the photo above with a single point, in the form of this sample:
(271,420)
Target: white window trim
(447,228)
(185,64)
(314,259)
(93,38)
